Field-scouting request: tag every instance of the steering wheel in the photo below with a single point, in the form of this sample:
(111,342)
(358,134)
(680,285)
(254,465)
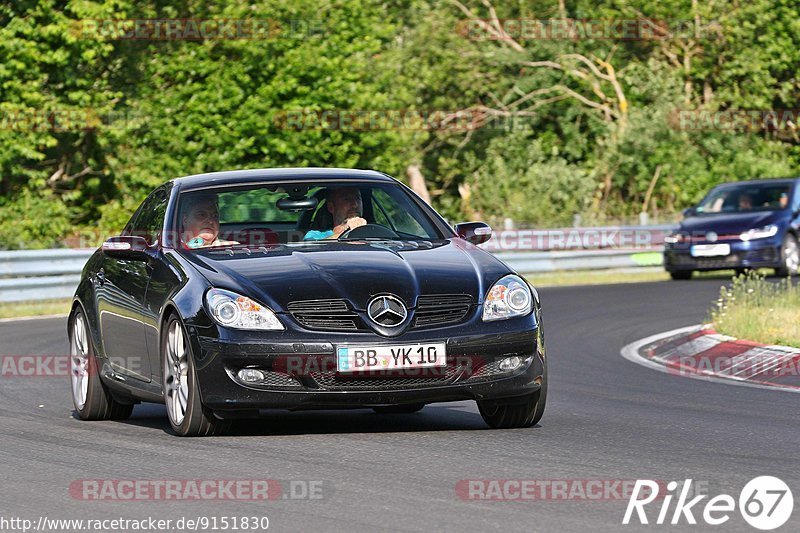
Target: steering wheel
(374,231)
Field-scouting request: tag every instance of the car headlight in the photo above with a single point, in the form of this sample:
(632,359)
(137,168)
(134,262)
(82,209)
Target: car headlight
(760,233)
(508,298)
(673,238)
(240,312)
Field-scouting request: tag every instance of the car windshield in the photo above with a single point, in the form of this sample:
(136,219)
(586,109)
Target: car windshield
(300,214)
(746,197)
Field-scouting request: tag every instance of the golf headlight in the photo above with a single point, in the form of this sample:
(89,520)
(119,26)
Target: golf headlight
(760,233)
(673,238)
(508,298)
(239,312)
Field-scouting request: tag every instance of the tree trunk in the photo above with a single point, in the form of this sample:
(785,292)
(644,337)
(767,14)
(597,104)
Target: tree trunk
(417,182)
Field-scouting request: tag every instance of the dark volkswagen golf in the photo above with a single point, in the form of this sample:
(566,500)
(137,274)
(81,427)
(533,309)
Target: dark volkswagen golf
(234,292)
(743,225)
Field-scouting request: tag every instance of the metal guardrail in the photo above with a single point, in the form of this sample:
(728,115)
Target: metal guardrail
(54,274)
(531,262)
(34,275)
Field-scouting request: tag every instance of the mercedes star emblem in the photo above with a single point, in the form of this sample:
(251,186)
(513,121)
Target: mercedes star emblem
(387,311)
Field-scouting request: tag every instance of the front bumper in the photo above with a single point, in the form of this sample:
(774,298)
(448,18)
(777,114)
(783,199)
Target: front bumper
(761,253)
(302,371)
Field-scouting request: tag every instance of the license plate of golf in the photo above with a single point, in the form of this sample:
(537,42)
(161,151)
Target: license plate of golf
(710,250)
(365,358)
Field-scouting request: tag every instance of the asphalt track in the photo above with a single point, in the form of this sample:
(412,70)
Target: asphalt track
(606,418)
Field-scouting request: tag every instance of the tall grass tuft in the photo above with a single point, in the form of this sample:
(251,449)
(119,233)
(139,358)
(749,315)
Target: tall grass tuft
(755,309)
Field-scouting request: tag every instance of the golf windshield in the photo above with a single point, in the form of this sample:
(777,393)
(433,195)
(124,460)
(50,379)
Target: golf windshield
(746,197)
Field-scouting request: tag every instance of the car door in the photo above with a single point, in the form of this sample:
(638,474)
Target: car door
(121,293)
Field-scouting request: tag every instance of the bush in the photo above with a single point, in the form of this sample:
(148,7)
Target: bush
(520,181)
(755,309)
(33,221)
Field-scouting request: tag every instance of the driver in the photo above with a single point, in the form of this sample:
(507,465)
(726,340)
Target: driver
(200,223)
(345,206)
(745,201)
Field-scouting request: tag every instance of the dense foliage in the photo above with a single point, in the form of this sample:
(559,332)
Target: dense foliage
(536,128)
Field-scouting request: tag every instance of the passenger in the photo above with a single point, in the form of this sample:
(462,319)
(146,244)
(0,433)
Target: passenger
(200,223)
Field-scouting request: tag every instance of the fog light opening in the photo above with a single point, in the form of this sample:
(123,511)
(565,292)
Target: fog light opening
(510,363)
(251,375)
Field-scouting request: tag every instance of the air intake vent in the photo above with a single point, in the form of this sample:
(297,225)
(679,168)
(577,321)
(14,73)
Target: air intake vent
(442,309)
(327,315)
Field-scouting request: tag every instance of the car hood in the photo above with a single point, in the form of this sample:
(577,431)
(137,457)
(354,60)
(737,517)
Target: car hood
(730,223)
(355,271)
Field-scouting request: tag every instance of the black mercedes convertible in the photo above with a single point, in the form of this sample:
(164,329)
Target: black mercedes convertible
(232,293)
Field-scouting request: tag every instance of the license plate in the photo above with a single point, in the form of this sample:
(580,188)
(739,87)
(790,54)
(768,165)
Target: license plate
(710,250)
(390,357)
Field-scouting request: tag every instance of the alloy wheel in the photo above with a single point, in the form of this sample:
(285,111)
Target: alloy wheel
(176,373)
(79,362)
(791,253)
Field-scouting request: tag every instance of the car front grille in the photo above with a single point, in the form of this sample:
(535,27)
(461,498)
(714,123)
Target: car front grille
(441,309)
(765,255)
(388,380)
(336,315)
(734,260)
(326,315)
(729,261)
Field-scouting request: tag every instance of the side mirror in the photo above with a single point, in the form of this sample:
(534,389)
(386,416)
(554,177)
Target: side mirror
(474,232)
(126,247)
(689,211)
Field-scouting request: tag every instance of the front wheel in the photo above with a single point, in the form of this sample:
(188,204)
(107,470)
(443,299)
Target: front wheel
(790,257)
(681,274)
(91,398)
(521,412)
(187,415)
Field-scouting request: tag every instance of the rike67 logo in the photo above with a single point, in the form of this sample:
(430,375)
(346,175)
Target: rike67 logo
(765,503)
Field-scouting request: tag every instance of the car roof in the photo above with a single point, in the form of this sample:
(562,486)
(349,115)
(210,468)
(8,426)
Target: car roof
(260,175)
(786,181)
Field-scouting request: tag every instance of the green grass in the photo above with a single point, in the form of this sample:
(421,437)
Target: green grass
(597,277)
(23,309)
(611,276)
(755,309)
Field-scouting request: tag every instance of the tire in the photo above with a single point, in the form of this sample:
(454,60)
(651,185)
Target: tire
(516,412)
(187,415)
(790,257)
(681,274)
(91,398)
(399,409)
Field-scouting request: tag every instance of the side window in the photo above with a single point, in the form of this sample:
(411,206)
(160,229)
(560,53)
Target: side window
(796,199)
(149,219)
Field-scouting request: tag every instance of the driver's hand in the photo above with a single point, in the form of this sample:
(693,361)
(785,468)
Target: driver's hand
(354,222)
